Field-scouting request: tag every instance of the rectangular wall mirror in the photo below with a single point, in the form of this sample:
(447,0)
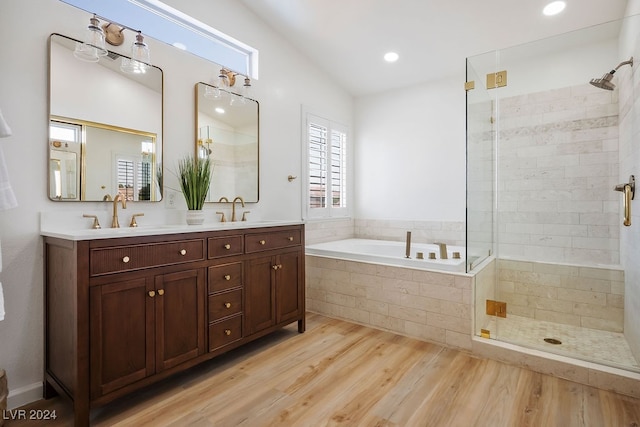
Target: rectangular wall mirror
(227,130)
(105,128)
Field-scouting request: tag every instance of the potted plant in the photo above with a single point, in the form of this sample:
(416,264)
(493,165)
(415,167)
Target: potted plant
(195,178)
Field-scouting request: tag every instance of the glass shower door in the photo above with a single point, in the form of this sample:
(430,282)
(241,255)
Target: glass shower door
(481,160)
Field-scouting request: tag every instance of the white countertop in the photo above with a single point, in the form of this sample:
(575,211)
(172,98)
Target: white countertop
(154,230)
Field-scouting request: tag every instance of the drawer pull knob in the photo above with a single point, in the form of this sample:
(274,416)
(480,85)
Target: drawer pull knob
(227,332)
(183,252)
(291,238)
(227,304)
(125,259)
(227,246)
(152,294)
(262,242)
(227,277)
(160,292)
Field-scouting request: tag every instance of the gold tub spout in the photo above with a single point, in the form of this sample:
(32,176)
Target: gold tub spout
(443,250)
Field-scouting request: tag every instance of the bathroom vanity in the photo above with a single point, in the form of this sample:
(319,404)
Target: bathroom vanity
(125,310)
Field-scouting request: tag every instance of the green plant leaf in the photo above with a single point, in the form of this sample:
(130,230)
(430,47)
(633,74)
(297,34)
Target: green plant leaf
(195,178)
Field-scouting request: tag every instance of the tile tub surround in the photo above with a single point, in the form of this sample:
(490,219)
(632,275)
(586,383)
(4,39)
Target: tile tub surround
(428,305)
(449,232)
(574,295)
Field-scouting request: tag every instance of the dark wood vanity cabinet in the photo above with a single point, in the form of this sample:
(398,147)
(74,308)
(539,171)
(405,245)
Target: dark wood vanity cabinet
(123,313)
(144,325)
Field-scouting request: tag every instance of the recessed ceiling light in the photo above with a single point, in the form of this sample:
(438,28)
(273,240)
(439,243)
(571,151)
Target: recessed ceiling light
(219,110)
(391,57)
(180,45)
(554,8)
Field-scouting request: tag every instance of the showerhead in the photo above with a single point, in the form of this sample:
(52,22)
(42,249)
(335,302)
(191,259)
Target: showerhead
(605,81)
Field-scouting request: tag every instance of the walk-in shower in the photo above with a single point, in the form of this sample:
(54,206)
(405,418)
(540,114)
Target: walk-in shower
(544,154)
(605,81)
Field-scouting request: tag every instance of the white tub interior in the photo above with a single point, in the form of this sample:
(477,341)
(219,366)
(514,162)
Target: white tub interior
(391,252)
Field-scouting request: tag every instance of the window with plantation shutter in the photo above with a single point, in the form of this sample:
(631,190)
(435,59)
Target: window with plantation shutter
(133,178)
(327,168)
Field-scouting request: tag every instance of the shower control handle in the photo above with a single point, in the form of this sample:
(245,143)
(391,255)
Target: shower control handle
(628,189)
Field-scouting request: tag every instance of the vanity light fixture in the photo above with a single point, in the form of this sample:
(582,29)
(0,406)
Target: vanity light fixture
(140,57)
(219,89)
(93,46)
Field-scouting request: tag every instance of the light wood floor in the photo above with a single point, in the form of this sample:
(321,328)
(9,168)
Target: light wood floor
(341,374)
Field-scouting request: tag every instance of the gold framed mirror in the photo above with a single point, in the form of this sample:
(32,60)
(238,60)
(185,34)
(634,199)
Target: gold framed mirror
(227,132)
(105,128)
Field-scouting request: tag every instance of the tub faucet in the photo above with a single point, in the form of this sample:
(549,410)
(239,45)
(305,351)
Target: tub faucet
(118,198)
(443,250)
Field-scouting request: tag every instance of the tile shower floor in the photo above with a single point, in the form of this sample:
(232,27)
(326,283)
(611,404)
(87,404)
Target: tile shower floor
(609,348)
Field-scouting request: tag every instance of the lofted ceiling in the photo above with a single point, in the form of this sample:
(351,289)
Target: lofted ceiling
(348,38)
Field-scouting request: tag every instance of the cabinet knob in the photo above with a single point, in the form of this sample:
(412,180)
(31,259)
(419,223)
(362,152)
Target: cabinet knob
(152,294)
(227,246)
(227,304)
(262,242)
(227,332)
(125,259)
(277,266)
(291,238)
(183,252)
(227,277)
(160,292)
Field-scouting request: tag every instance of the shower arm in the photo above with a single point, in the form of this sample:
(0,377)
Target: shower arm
(629,62)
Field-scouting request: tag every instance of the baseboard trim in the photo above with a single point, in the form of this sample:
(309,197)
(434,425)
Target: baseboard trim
(24,395)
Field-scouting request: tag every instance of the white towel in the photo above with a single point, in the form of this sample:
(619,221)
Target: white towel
(7,197)
(1,304)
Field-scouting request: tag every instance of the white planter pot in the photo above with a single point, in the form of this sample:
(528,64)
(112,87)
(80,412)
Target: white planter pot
(195,217)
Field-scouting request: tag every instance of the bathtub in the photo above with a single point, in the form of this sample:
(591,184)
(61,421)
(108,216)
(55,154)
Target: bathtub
(390,253)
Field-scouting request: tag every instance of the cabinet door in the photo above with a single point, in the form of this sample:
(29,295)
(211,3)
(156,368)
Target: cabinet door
(180,321)
(260,294)
(289,292)
(121,337)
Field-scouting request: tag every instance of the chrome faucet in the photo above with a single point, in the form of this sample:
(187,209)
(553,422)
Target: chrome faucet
(118,197)
(233,207)
(443,250)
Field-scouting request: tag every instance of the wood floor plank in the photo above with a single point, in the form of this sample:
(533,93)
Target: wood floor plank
(341,374)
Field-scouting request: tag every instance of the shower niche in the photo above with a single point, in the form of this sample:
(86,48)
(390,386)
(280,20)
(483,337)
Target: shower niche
(545,153)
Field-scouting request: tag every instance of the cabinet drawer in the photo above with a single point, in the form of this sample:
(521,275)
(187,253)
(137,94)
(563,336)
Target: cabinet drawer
(225,276)
(256,242)
(224,305)
(134,257)
(225,332)
(225,246)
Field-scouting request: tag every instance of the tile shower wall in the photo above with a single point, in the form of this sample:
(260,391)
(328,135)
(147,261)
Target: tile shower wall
(572,295)
(558,163)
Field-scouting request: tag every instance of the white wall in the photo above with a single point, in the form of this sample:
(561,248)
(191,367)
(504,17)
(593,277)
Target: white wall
(287,80)
(410,153)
